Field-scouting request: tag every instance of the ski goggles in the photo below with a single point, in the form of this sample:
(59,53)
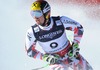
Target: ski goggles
(37,13)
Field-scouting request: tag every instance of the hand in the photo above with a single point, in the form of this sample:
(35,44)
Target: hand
(74,50)
(52,59)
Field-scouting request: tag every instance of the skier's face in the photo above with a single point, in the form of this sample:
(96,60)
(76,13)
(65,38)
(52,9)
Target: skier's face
(39,20)
(38,16)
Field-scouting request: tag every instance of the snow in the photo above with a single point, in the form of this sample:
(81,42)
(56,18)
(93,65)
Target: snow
(15,20)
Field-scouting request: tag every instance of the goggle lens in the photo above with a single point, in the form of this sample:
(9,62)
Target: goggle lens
(37,13)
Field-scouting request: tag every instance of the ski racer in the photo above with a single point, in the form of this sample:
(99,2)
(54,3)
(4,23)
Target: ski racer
(50,33)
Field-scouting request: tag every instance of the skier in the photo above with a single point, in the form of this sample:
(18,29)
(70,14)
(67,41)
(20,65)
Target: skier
(50,33)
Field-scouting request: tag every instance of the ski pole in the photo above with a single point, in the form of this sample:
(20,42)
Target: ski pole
(58,62)
(41,67)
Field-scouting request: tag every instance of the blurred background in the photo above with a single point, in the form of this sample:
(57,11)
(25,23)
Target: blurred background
(15,19)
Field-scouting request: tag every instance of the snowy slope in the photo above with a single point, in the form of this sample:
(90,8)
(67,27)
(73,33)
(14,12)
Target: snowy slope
(15,20)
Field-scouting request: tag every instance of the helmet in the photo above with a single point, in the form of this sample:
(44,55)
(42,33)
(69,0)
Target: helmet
(39,8)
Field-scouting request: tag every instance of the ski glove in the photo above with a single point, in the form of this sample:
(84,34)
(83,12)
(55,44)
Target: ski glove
(51,59)
(74,50)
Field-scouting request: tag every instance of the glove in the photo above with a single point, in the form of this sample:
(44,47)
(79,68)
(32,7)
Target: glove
(74,50)
(51,59)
